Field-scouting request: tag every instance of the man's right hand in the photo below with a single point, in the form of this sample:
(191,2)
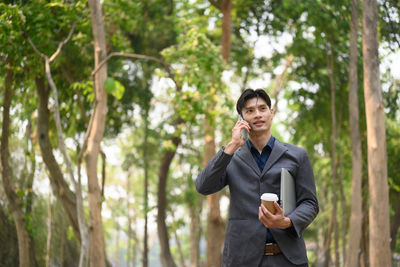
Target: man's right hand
(237,139)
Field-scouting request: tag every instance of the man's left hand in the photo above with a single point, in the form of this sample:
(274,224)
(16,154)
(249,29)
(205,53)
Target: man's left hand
(277,220)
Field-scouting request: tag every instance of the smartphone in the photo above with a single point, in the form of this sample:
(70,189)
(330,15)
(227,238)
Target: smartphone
(243,132)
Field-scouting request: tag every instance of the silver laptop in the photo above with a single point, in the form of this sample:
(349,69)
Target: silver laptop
(288,192)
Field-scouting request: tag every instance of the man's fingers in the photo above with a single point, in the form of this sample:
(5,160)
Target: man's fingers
(243,124)
(267,213)
(261,217)
(278,208)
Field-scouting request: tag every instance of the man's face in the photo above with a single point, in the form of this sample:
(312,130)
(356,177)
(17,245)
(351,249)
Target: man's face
(257,113)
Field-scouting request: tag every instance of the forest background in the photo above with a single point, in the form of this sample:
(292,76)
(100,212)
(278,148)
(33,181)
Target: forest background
(111,108)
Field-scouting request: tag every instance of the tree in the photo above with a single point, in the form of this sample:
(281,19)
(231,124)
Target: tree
(200,69)
(77,185)
(215,223)
(9,187)
(352,255)
(379,242)
(95,133)
(334,137)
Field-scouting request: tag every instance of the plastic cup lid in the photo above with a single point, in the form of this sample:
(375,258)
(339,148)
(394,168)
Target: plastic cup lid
(269,197)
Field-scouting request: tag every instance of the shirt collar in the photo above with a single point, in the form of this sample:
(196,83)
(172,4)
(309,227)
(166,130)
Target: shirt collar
(268,147)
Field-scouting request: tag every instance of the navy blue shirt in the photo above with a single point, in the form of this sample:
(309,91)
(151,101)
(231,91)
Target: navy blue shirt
(261,160)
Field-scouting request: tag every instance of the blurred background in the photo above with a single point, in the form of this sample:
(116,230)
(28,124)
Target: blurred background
(111,108)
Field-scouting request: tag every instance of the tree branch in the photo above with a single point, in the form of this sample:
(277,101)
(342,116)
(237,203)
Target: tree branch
(32,44)
(53,86)
(61,44)
(279,81)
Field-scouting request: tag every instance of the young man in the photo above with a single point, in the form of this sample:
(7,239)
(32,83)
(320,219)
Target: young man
(255,236)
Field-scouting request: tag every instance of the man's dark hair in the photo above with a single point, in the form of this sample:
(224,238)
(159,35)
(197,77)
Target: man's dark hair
(249,94)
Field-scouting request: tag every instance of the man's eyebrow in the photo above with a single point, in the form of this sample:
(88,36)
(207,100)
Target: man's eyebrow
(255,106)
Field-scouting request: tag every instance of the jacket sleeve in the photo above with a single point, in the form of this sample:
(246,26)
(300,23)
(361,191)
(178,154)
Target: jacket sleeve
(213,177)
(306,203)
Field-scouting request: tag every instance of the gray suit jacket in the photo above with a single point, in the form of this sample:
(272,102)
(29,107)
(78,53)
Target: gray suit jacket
(246,235)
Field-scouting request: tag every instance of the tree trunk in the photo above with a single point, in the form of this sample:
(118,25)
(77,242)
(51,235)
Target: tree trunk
(279,82)
(343,209)
(333,157)
(216,232)
(195,235)
(28,185)
(166,257)
(226,8)
(319,262)
(364,257)
(215,223)
(49,232)
(379,227)
(146,188)
(62,246)
(12,197)
(128,212)
(328,238)
(166,159)
(31,175)
(97,256)
(59,185)
(180,251)
(9,249)
(353,249)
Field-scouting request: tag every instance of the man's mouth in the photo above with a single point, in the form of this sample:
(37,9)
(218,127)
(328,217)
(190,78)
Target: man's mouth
(258,123)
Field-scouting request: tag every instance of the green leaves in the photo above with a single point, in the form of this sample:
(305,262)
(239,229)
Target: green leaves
(86,88)
(10,32)
(114,88)
(198,70)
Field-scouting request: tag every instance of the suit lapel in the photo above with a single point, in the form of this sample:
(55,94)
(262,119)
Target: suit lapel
(276,153)
(245,154)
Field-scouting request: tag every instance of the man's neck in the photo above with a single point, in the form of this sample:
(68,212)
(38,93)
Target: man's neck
(260,140)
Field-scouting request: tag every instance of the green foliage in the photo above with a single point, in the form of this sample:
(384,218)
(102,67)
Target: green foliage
(10,34)
(198,69)
(86,88)
(389,12)
(114,88)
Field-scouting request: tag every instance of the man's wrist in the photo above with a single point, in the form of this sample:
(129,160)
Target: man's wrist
(287,223)
(231,147)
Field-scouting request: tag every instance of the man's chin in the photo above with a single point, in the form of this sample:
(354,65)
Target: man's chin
(262,128)
(259,131)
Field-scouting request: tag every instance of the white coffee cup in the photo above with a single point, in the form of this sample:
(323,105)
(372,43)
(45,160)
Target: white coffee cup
(267,199)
